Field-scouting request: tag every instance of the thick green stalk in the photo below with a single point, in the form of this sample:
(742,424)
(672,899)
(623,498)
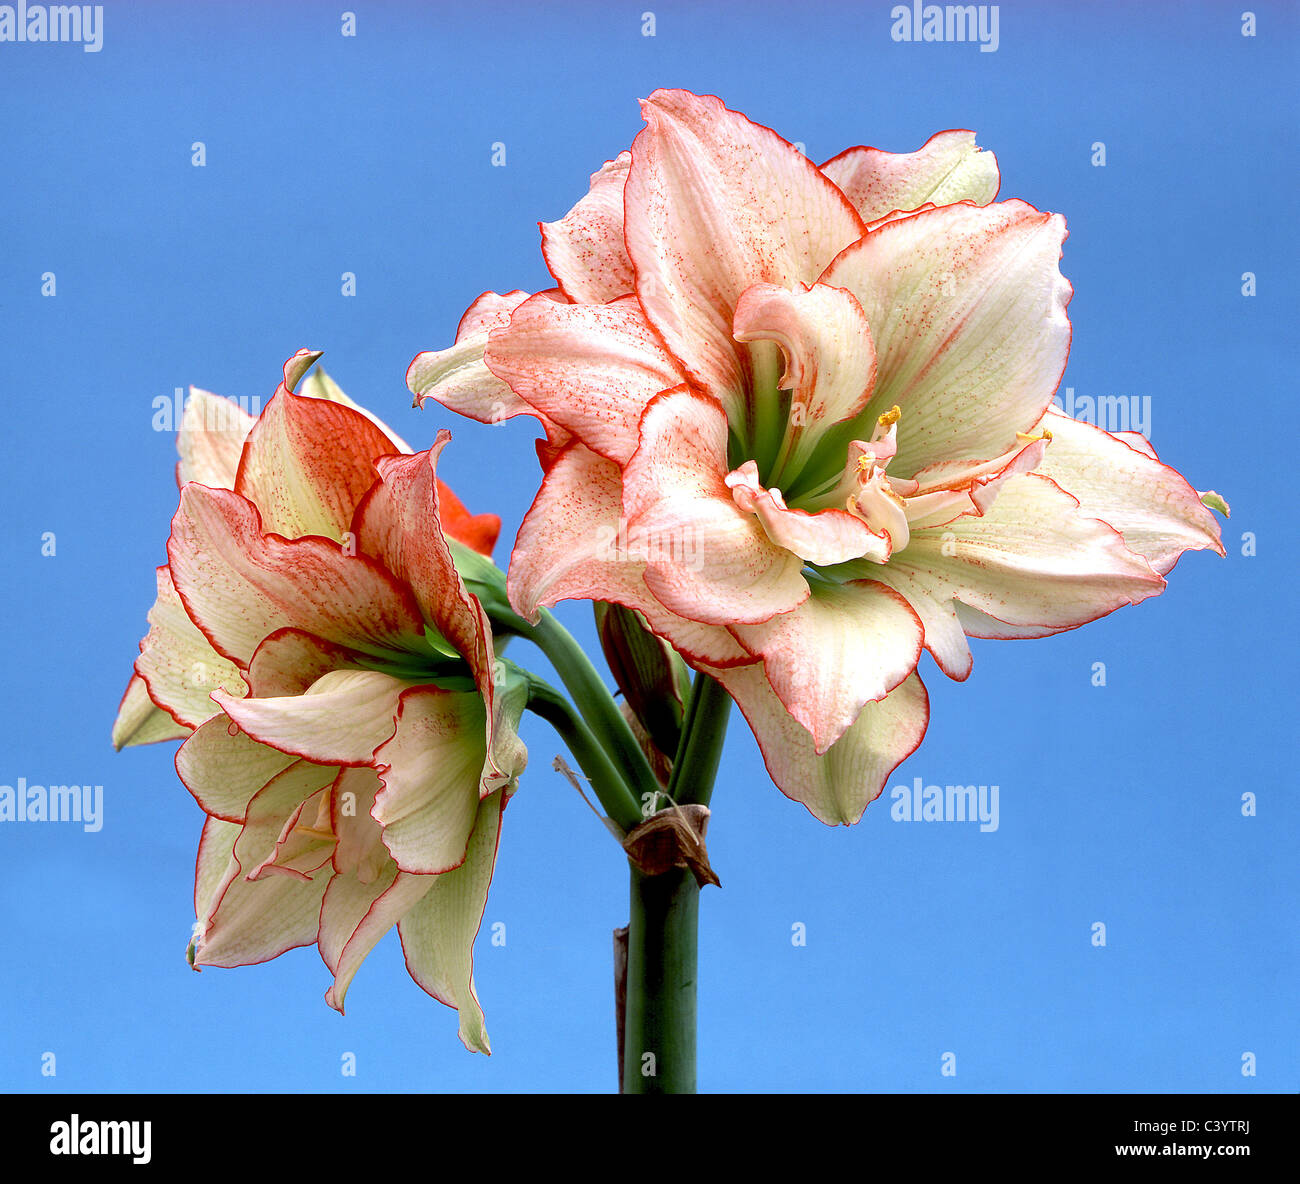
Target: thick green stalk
(663,941)
(659,1026)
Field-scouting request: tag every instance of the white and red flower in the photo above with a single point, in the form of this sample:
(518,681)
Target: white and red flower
(349,732)
(800,419)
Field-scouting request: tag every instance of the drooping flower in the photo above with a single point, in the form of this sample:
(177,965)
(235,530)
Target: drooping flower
(800,419)
(350,734)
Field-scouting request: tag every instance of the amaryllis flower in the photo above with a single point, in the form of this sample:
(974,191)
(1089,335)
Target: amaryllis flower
(350,734)
(800,419)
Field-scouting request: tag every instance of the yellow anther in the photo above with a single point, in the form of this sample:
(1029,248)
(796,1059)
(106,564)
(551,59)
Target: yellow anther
(1028,438)
(866,462)
(891,417)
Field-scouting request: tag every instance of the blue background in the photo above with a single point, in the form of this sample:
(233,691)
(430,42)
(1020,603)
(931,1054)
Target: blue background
(326,154)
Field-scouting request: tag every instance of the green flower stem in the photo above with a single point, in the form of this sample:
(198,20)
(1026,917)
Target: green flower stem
(663,928)
(606,781)
(659,1023)
(592,697)
(703,731)
(590,694)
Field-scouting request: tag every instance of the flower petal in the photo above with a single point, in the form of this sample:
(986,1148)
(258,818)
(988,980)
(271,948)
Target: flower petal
(307,463)
(212,435)
(305,843)
(830,359)
(319,385)
(140,721)
(342,718)
(823,538)
(938,613)
(225,769)
(430,768)
(967,309)
(713,204)
(585,250)
(403,894)
(289,660)
(570,546)
(458,378)
(360,852)
(947,168)
(1033,558)
(438,932)
(249,921)
(347,901)
(589,368)
(707,560)
(1159,514)
(238,585)
(399,522)
(847,645)
(838,785)
(178,665)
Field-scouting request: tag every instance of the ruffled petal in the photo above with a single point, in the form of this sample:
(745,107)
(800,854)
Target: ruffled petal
(830,359)
(385,912)
(837,785)
(438,931)
(1159,514)
(967,309)
(307,463)
(341,719)
(212,435)
(360,853)
(571,546)
(585,249)
(179,667)
(1033,558)
(430,769)
(399,523)
(458,378)
(947,168)
(248,921)
(707,559)
(713,204)
(589,368)
(239,585)
(225,769)
(944,636)
(319,385)
(289,660)
(140,721)
(345,905)
(847,645)
(823,538)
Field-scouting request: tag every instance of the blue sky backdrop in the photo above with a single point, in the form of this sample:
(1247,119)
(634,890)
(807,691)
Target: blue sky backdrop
(325,154)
